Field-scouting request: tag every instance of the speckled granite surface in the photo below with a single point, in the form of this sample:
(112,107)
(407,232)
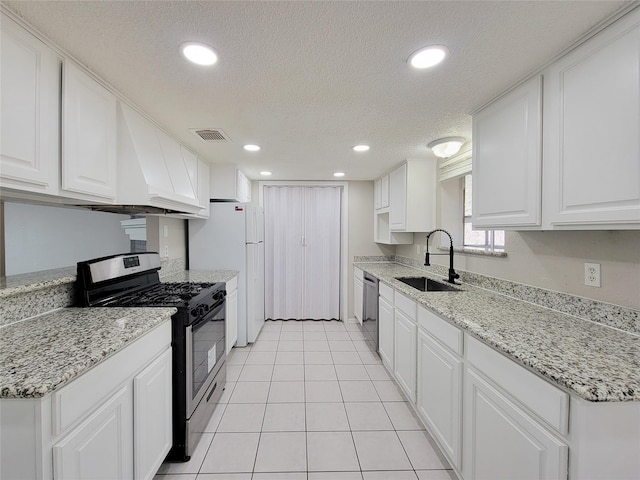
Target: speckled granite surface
(201,276)
(624,318)
(591,360)
(43,353)
(30,294)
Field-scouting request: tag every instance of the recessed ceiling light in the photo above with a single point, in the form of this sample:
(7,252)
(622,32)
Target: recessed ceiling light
(198,53)
(428,57)
(265,173)
(251,148)
(361,148)
(339,174)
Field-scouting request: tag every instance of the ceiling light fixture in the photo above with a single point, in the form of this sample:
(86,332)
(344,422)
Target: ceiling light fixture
(446,147)
(361,148)
(339,174)
(265,173)
(428,57)
(251,148)
(198,53)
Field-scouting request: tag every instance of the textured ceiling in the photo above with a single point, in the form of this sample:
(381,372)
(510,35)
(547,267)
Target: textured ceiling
(308,80)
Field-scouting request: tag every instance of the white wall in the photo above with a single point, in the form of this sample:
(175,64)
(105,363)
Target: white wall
(41,237)
(174,241)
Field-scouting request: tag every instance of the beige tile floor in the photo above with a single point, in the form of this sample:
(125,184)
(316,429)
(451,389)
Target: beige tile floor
(309,401)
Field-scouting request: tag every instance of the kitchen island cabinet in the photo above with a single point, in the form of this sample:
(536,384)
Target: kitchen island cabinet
(509,389)
(90,397)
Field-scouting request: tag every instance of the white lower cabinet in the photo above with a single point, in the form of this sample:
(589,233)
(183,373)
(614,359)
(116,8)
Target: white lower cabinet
(439,398)
(152,415)
(501,441)
(102,445)
(358,294)
(231,314)
(112,422)
(405,338)
(385,325)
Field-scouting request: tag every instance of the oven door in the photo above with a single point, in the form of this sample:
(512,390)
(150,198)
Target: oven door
(205,345)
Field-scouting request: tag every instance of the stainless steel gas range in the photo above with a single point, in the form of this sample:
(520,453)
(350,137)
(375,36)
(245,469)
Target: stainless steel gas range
(198,329)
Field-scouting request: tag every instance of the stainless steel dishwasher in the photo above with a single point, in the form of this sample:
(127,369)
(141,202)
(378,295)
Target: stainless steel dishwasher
(370,311)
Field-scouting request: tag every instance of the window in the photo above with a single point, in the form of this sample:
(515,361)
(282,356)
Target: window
(487,239)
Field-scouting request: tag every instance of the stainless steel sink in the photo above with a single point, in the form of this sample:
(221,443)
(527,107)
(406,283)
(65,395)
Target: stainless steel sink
(427,285)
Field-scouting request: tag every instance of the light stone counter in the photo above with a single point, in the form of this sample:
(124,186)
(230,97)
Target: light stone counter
(201,276)
(591,360)
(41,354)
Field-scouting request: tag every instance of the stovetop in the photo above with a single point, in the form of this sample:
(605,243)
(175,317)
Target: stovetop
(180,295)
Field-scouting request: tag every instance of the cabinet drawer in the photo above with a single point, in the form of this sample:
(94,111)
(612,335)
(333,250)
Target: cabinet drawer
(443,331)
(407,305)
(548,402)
(232,285)
(386,292)
(358,273)
(84,394)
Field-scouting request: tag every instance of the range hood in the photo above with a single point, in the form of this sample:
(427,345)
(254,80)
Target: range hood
(153,177)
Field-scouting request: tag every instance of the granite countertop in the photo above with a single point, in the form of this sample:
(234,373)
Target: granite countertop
(200,276)
(41,354)
(593,361)
(28,282)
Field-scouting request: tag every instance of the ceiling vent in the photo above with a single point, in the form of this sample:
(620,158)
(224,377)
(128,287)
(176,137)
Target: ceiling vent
(211,135)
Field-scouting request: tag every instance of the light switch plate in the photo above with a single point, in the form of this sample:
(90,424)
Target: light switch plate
(165,231)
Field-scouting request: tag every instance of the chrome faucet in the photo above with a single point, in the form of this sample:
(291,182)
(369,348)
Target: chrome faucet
(452,273)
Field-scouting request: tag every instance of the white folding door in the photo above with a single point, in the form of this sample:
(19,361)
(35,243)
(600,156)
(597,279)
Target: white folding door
(302,252)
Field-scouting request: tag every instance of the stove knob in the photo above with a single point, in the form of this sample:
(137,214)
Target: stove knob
(194,312)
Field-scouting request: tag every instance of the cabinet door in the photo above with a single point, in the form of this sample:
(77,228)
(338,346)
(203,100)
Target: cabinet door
(405,353)
(398,198)
(88,136)
(501,442)
(591,125)
(377,198)
(385,331)
(243,188)
(102,446)
(358,293)
(29,111)
(384,192)
(231,319)
(152,413)
(440,394)
(507,159)
(203,188)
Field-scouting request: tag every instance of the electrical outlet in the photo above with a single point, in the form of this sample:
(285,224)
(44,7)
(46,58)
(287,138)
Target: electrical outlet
(166,251)
(418,249)
(592,274)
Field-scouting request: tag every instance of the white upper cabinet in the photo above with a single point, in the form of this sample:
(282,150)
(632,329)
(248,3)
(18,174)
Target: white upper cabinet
(592,132)
(199,176)
(583,170)
(88,137)
(407,199)
(229,183)
(507,159)
(29,112)
(412,196)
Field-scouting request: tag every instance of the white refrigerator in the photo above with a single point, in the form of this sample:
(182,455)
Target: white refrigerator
(232,239)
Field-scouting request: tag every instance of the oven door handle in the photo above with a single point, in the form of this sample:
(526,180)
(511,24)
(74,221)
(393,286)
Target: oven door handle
(211,313)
